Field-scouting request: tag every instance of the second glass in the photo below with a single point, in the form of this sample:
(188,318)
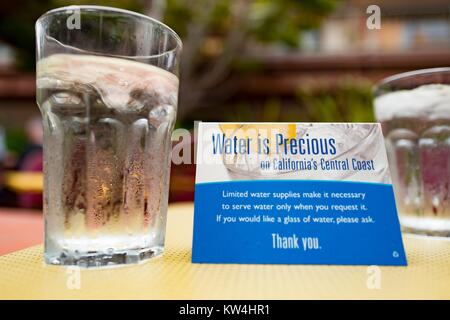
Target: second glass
(107,89)
(414,111)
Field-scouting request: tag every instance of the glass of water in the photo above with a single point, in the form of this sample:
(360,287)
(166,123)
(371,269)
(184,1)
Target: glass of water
(107,89)
(414,110)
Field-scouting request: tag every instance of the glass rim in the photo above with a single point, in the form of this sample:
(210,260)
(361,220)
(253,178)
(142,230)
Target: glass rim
(178,46)
(408,74)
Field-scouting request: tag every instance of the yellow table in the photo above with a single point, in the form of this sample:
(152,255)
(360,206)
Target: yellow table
(23,275)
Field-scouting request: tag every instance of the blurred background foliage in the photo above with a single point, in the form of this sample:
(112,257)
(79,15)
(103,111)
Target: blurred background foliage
(333,105)
(312,104)
(216,35)
(267,21)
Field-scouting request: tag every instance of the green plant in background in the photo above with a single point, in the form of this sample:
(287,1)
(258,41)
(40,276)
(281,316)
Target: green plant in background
(350,101)
(217,34)
(264,20)
(16,140)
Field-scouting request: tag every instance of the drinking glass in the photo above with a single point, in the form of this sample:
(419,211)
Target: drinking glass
(414,111)
(107,89)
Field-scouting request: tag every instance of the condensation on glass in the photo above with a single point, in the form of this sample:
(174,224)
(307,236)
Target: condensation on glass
(414,110)
(107,89)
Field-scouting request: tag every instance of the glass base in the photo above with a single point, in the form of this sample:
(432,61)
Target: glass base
(429,226)
(101,259)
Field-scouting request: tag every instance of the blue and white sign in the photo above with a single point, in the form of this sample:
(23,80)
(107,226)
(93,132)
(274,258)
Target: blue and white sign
(294,193)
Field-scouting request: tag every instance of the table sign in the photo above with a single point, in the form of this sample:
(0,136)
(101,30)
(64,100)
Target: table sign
(294,193)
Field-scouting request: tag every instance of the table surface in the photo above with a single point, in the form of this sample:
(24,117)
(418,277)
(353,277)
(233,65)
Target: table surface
(23,275)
